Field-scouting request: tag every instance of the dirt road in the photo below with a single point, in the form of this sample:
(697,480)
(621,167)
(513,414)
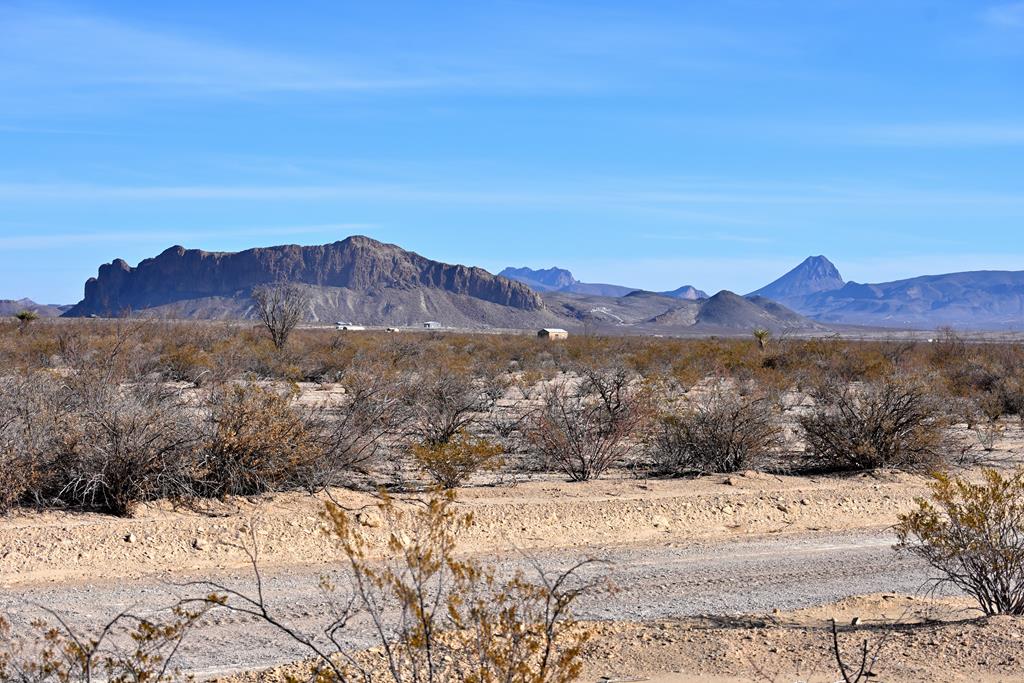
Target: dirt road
(753,575)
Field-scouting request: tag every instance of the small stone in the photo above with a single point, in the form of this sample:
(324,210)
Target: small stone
(130,538)
(367,519)
(728,509)
(660,522)
(855,621)
(200,544)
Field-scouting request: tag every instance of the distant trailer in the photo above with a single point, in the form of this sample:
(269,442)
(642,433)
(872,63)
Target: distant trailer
(432,325)
(348,327)
(553,333)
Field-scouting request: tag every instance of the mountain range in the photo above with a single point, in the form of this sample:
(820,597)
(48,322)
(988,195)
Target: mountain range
(983,299)
(9,307)
(365,281)
(562,280)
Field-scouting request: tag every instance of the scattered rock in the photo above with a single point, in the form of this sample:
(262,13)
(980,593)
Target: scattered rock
(130,538)
(200,543)
(368,519)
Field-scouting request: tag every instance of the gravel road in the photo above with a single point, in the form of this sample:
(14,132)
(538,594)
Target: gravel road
(737,577)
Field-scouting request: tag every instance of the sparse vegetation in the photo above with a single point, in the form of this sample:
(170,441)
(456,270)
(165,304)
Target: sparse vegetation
(281,307)
(585,427)
(450,464)
(972,533)
(436,616)
(724,432)
(77,393)
(894,423)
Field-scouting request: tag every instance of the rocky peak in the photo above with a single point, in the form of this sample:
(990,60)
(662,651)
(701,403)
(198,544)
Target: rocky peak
(357,263)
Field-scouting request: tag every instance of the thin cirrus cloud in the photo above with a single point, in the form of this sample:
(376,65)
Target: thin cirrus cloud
(77,239)
(937,134)
(584,195)
(1009,15)
(42,49)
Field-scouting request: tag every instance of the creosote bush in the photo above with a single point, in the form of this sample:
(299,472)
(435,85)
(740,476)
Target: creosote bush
(585,428)
(892,423)
(126,649)
(724,432)
(258,442)
(436,616)
(972,533)
(450,464)
(72,391)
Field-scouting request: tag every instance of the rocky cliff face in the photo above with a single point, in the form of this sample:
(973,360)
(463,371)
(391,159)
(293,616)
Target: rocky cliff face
(358,264)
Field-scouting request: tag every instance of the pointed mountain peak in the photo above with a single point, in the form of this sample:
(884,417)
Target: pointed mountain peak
(814,274)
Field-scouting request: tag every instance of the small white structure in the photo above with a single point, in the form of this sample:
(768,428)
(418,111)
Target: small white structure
(553,333)
(432,325)
(348,326)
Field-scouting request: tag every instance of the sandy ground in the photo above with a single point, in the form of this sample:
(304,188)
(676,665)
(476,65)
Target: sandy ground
(61,547)
(909,639)
(732,541)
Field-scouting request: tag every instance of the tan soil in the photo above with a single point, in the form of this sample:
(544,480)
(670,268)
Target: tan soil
(915,640)
(65,547)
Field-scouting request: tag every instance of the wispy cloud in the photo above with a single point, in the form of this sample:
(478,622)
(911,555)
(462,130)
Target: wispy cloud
(707,237)
(166,237)
(44,49)
(1009,15)
(581,193)
(936,134)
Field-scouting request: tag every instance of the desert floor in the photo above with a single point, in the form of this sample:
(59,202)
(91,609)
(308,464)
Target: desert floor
(719,578)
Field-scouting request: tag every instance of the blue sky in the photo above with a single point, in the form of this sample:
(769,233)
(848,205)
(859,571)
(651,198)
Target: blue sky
(650,144)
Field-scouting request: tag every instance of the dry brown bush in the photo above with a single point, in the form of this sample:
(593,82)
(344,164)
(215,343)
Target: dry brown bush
(723,432)
(585,428)
(446,400)
(257,442)
(894,423)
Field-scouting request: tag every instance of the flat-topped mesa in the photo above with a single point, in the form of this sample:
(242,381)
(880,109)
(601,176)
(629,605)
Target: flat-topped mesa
(357,263)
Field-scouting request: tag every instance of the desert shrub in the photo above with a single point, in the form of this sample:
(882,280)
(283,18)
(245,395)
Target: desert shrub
(26,437)
(584,429)
(972,533)
(125,649)
(447,401)
(450,464)
(125,445)
(256,442)
(724,432)
(893,423)
(436,616)
(350,437)
(72,442)
(281,306)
